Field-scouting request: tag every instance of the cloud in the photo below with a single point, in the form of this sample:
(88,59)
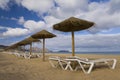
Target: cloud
(86,43)
(3,17)
(4,4)
(13,32)
(33,26)
(21,20)
(50,20)
(106,15)
(7,32)
(40,6)
(29,26)
(1,27)
(71,5)
(18,2)
(15,19)
(68,8)
(100,14)
(114,6)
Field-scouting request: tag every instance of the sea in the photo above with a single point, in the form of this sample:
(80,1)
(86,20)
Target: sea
(105,53)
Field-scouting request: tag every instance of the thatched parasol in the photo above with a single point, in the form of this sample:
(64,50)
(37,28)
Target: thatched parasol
(23,43)
(42,35)
(28,41)
(73,24)
(11,47)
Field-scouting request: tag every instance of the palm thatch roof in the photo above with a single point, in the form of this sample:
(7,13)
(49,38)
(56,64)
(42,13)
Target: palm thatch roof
(73,24)
(43,34)
(27,41)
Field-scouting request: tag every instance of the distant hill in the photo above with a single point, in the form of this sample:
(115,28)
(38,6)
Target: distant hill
(64,51)
(35,49)
(3,47)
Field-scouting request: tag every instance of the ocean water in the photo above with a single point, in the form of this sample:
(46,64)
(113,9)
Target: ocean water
(106,53)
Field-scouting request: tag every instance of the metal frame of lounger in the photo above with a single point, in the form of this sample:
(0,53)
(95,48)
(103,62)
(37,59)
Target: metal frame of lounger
(71,59)
(27,56)
(76,57)
(91,63)
(16,54)
(36,54)
(60,62)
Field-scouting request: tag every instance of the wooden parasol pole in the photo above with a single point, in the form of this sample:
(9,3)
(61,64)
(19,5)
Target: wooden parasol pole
(43,49)
(30,48)
(73,44)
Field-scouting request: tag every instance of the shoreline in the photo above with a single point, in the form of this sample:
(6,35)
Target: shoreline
(98,53)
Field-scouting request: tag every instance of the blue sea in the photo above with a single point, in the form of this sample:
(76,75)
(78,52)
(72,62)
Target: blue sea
(106,53)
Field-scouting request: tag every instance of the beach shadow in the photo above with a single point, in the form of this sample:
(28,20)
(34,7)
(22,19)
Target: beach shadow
(3,64)
(102,66)
(12,76)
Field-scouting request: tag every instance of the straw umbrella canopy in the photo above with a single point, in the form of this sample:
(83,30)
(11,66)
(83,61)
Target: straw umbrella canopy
(73,24)
(42,35)
(28,41)
(11,47)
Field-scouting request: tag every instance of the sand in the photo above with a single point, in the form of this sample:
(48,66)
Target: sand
(14,68)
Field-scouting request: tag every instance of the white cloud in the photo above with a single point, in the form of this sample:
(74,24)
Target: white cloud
(68,8)
(114,6)
(2,27)
(33,26)
(72,5)
(86,43)
(21,20)
(13,32)
(30,26)
(14,18)
(98,12)
(18,1)
(50,20)
(3,4)
(40,6)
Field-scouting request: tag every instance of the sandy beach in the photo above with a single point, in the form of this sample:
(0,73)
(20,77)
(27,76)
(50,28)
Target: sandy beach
(14,68)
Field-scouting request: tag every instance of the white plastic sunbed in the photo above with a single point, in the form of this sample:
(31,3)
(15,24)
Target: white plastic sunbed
(62,62)
(91,64)
(81,63)
(29,56)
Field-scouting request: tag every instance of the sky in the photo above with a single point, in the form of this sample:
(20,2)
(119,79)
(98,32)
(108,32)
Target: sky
(20,19)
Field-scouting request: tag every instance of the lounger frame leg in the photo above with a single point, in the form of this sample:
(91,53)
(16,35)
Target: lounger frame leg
(68,66)
(83,69)
(52,64)
(114,63)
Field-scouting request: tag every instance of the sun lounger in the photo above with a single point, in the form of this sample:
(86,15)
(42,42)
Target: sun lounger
(91,64)
(62,62)
(33,55)
(82,63)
